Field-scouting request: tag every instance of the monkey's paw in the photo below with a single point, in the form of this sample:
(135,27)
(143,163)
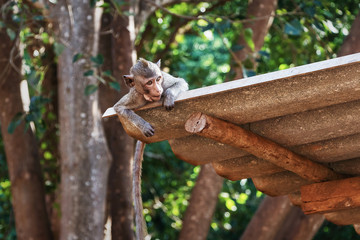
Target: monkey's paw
(169,103)
(148,130)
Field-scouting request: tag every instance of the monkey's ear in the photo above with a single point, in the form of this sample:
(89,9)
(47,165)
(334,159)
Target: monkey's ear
(158,63)
(129,80)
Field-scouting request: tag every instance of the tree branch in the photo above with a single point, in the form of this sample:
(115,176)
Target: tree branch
(295,12)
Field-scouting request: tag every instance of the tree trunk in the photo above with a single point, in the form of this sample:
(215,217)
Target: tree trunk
(260,27)
(268,219)
(298,226)
(120,49)
(84,153)
(351,43)
(197,219)
(28,195)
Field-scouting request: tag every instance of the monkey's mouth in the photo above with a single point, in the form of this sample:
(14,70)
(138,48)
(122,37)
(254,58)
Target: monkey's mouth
(155,98)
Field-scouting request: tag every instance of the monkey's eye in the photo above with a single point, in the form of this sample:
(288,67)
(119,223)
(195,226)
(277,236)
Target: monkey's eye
(158,78)
(149,82)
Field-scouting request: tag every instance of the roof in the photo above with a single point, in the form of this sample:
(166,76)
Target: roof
(312,110)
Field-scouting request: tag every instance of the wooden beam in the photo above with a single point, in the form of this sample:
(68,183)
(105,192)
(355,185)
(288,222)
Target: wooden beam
(260,147)
(279,184)
(331,196)
(344,217)
(245,167)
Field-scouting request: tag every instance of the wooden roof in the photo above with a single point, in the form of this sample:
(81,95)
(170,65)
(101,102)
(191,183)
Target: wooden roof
(312,110)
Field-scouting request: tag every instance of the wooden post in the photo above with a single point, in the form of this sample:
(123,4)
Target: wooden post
(260,147)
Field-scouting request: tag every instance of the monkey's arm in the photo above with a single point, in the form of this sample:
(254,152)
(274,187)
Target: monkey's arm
(124,109)
(173,87)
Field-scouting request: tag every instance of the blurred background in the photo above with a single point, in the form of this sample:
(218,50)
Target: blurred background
(66,174)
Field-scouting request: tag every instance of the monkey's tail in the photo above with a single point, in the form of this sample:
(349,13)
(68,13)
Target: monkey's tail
(141,230)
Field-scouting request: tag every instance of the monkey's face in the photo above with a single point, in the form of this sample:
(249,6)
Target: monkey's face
(151,88)
(147,79)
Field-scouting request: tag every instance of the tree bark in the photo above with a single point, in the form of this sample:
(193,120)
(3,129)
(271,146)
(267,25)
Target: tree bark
(277,218)
(84,153)
(268,219)
(351,43)
(28,195)
(298,226)
(119,48)
(259,27)
(197,219)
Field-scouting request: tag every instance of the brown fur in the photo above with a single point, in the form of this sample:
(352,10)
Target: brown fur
(148,84)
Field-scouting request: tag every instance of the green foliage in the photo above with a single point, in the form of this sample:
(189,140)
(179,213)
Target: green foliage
(198,50)
(90,89)
(58,48)
(103,77)
(335,232)
(166,187)
(16,121)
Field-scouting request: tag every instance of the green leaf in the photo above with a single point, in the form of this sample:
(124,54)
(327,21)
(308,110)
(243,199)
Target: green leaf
(237,47)
(115,85)
(120,3)
(2,24)
(98,59)
(77,57)
(11,33)
(93,3)
(230,204)
(90,89)
(293,28)
(58,48)
(107,73)
(45,37)
(100,79)
(16,121)
(248,34)
(38,18)
(89,73)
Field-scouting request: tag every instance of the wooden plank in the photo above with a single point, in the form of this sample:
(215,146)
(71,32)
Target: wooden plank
(199,150)
(245,167)
(279,184)
(311,126)
(257,98)
(331,196)
(331,131)
(344,217)
(295,198)
(349,167)
(260,147)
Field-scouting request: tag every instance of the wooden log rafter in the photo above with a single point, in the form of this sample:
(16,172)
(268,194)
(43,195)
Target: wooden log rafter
(331,196)
(231,134)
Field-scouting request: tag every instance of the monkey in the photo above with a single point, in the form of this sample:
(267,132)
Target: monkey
(148,84)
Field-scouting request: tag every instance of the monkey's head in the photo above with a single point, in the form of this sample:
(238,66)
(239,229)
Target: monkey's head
(147,79)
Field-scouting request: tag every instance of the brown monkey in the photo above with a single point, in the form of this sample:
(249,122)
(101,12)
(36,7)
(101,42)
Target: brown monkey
(148,84)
